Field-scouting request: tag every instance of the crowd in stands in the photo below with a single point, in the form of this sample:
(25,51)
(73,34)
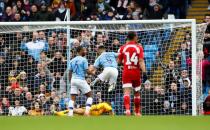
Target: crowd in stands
(206,64)
(55,10)
(33,77)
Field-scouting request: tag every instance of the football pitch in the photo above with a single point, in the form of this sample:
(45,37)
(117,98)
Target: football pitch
(106,123)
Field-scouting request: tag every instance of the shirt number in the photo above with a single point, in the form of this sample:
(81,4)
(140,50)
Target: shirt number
(131,59)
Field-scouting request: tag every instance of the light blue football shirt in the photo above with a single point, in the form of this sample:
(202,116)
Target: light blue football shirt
(78,66)
(106,59)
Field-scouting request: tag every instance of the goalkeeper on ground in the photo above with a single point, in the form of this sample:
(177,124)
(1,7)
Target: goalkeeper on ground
(95,110)
(108,61)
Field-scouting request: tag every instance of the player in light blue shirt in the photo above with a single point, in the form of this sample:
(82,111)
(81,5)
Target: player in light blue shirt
(106,60)
(78,68)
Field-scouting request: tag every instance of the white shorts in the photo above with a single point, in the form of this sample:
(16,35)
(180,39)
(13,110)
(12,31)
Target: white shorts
(79,84)
(109,74)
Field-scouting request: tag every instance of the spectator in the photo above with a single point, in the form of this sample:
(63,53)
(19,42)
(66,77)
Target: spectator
(20,9)
(187,95)
(44,60)
(42,78)
(174,98)
(166,107)
(43,90)
(147,99)
(4,106)
(122,6)
(184,56)
(154,12)
(184,76)
(4,46)
(35,46)
(159,94)
(36,110)
(56,81)
(16,95)
(58,63)
(49,102)
(55,106)
(42,36)
(26,5)
(64,100)
(17,110)
(184,108)
(22,79)
(45,15)
(83,9)
(188,39)
(102,7)
(52,47)
(17,17)
(8,17)
(14,83)
(44,103)
(28,101)
(170,73)
(115,45)
(109,15)
(128,14)
(30,70)
(85,39)
(60,13)
(34,15)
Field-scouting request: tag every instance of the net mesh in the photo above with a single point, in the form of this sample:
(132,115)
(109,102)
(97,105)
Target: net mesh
(34,74)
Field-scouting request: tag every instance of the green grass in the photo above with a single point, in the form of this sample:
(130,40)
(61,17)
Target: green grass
(106,123)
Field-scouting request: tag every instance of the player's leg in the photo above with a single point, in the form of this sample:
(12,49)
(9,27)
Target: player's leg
(89,102)
(113,74)
(137,99)
(101,77)
(71,104)
(74,92)
(95,81)
(126,98)
(85,88)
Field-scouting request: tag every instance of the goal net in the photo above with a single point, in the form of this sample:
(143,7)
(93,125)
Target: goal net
(34,60)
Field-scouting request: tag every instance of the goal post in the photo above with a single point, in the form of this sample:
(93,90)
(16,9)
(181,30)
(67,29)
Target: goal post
(171,49)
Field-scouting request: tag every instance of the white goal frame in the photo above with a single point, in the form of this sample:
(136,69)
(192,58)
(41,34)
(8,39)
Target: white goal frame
(68,24)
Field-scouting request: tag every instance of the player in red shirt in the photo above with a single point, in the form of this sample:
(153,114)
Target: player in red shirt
(131,55)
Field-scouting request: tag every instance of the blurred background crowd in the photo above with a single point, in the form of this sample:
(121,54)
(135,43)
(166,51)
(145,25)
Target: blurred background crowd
(51,10)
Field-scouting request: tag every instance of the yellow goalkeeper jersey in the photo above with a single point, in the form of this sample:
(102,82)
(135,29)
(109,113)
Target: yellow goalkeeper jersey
(100,108)
(95,110)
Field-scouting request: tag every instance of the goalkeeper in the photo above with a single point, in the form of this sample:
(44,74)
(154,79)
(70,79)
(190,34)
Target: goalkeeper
(95,110)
